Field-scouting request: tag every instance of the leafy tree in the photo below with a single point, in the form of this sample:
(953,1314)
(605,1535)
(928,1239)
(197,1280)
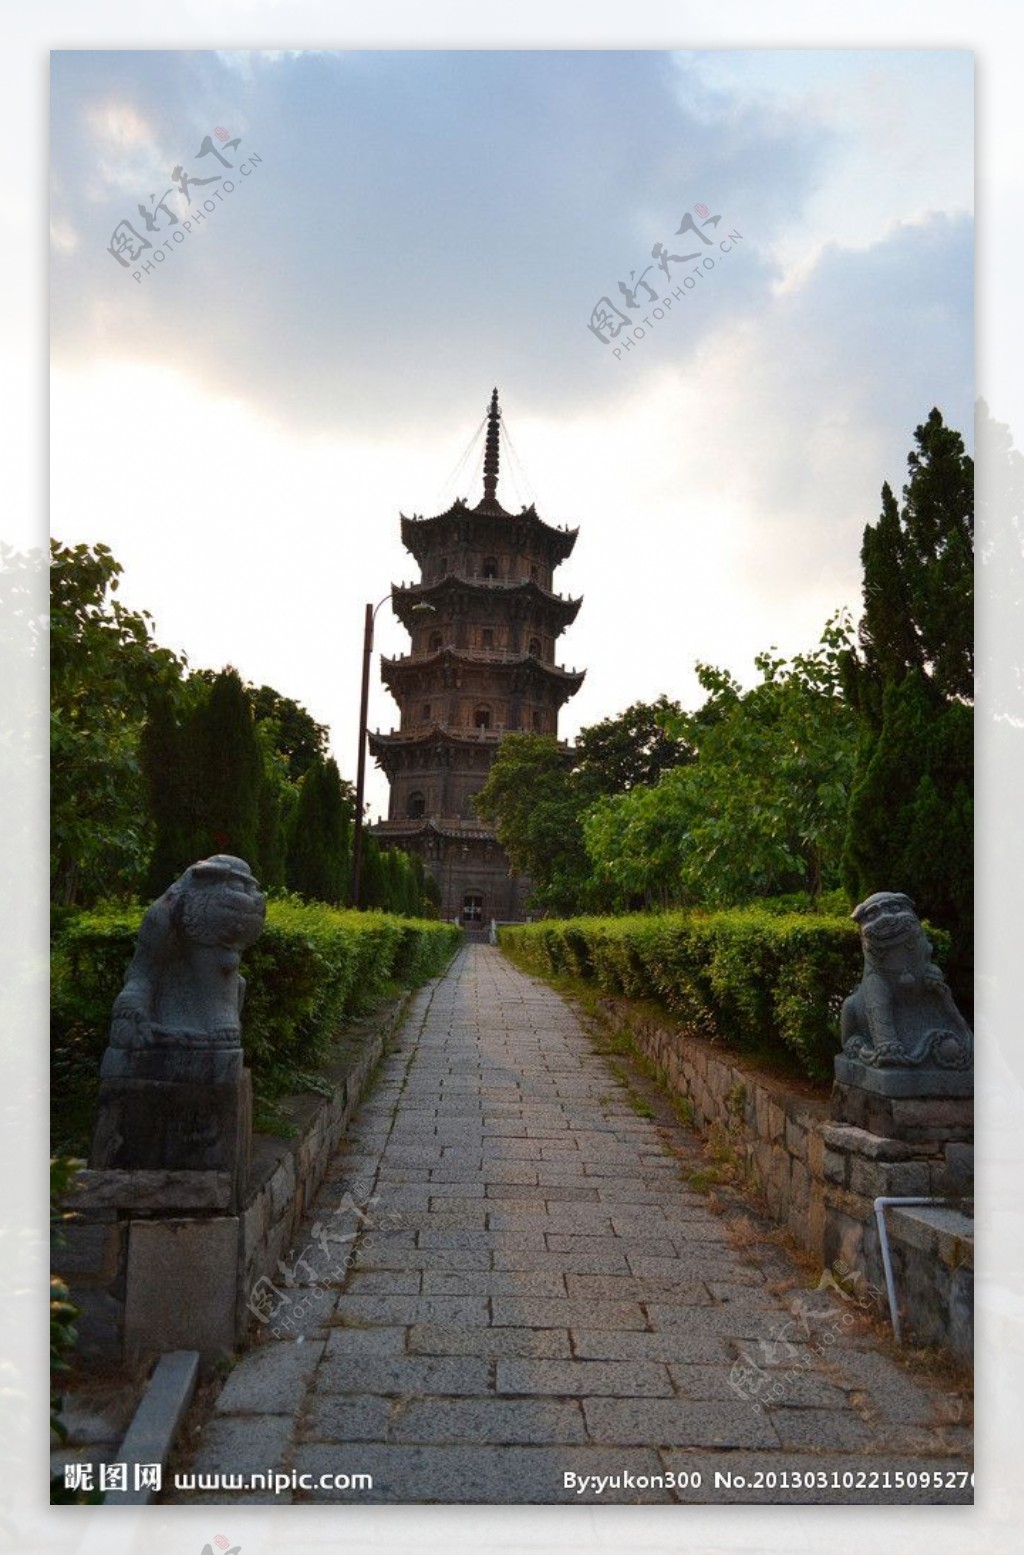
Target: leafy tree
(618,754)
(537,791)
(760,810)
(910,817)
(106,672)
(292,730)
(532,803)
(171,791)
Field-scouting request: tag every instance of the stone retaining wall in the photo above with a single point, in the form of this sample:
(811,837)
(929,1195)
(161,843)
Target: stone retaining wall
(772,1135)
(820,1178)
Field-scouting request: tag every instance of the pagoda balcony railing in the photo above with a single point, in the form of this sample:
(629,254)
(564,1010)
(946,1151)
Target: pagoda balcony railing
(476,577)
(492,655)
(483,736)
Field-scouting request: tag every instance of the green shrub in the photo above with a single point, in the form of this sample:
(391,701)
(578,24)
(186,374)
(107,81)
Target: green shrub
(766,982)
(313,968)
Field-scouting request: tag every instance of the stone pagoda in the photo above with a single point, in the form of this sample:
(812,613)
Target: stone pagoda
(481,665)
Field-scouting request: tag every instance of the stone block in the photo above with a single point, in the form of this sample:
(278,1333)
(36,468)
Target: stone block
(958,1175)
(834,1167)
(158,1125)
(931,1121)
(339,1418)
(405,1374)
(181,1287)
(436,1339)
(796,1139)
(585,1378)
(843,1239)
(150,1190)
(933,1114)
(799,1187)
(282,1188)
(498,1420)
(777,1187)
(815,1233)
(676,1422)
(903,1179)
(88,1250)
(761,1112)
(99,1323)
(254,1226)
(858,1141)
(820,1429)
(815,1153)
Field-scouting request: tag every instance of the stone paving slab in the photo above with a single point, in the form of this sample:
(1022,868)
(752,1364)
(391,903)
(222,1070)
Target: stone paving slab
(539,1308)
(249,1443)
(435,1339)
(270,1380)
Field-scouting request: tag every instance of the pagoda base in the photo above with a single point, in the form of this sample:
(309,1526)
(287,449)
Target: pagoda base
(471,869)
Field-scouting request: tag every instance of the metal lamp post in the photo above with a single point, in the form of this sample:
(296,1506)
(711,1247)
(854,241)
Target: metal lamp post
(357,837)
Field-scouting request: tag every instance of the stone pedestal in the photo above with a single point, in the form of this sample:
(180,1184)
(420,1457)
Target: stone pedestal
(928,1108)
(175,1116)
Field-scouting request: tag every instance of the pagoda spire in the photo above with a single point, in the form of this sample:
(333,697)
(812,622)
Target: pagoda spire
(491,451)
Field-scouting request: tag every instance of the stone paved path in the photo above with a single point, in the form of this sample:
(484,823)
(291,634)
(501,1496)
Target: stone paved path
(536,1292)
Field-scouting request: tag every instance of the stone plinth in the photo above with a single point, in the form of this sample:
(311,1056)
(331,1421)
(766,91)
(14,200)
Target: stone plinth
(180,1294)
(928,1108)
(176,1126)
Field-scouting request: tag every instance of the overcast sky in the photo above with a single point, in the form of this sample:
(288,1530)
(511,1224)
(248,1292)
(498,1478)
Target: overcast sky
(244,424)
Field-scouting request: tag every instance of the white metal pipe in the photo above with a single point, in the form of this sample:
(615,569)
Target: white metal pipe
(881,1205)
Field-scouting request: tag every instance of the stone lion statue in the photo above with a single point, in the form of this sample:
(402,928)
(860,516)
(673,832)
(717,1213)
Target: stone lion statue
(901,1014)
(183,987)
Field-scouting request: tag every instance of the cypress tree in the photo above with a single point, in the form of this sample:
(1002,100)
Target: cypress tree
(230,764)
(161,753)
(317,865)
(910,819)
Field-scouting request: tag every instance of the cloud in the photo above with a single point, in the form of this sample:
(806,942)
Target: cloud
(417,213)
(118,126)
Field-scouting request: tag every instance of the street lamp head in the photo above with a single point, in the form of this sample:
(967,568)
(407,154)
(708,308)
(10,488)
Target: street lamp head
(424,609)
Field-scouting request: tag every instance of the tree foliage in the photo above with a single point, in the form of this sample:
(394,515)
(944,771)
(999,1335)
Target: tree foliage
(537,792)
(910,818)
(532,802)
(619,754)
(320,846)
(760,809)
(105,673)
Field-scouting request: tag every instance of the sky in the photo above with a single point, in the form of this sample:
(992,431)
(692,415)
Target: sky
(243,422)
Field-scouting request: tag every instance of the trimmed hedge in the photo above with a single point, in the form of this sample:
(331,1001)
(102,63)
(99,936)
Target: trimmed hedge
(765,982)
(313,968)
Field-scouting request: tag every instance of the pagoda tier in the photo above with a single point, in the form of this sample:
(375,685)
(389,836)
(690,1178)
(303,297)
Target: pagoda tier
(434,771)
(461,539)
(471,671)
(472,598)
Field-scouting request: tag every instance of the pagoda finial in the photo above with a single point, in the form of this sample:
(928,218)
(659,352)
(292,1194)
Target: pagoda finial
(491,450)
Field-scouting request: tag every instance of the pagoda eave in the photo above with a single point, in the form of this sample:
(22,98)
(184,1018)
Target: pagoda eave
(404,596)
(395,672)
(419,535)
